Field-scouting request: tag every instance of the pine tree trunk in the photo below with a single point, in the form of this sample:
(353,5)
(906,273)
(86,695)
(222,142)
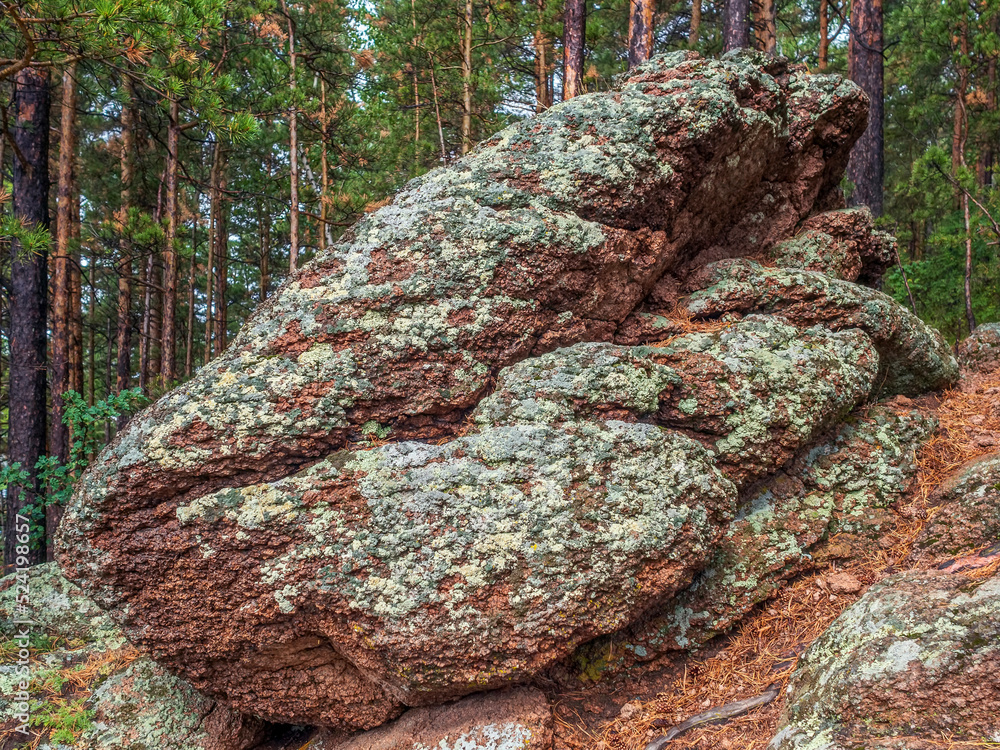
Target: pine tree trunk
(736,25)
(467,78)
(28,303)
(189,331)
(640,31)
(824,35)
(695,23)
(91,330)
(210,262)
(984,165)
(574,42)
(865,63)
(543,97)
(766,27)
(264,237)
(62,291)
(76,300)
(146,339)
(221,260)
(293,152)
(169,346)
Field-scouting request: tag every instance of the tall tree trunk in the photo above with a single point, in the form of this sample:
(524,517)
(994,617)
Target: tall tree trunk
(221,258)
(108,375)
(125,257)
(62,291)
(264,237)
(210,262)
(189,331)
(574,42)
(640,31)
(766,26)
(91,329)
(28,303)
(467,78)
(293,151)
(958,142)
(437,111)
(76,299)
(543,96)
(695,23)
(824,35)
(168,348)
(146,340)
(865,63)
(326,238)
(736,25)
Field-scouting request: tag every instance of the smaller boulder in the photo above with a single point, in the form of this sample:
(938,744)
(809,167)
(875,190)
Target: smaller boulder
(517,719)
(917,657)
(980,352)
(968,514)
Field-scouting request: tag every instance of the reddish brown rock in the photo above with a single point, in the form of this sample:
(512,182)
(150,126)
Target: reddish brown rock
(517,719)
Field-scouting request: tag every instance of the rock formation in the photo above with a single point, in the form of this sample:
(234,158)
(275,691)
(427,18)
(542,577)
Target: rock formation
(552,393)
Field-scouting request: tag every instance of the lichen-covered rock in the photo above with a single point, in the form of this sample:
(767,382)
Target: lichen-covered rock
(146,708)
(837,484)
(980,352)
(915,357)
(916,657)
(516,719)
(843,244)
(754,392)
(967,515)
(235,534)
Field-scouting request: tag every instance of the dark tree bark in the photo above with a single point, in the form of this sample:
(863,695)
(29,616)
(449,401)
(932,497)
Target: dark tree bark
(28,303)
(189,331)
(736,25)
(543,95)
(574,40)
(221,261)
(640,31)
(865,63)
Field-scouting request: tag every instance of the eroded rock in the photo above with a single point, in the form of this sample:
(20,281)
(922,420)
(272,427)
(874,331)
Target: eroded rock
(967,515)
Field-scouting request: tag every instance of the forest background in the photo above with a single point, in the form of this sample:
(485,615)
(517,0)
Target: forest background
(165,163)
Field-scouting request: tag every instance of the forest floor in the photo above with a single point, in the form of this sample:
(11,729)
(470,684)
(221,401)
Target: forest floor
(628,712)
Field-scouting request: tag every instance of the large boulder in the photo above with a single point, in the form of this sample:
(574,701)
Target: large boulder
(914,660)
(431,464)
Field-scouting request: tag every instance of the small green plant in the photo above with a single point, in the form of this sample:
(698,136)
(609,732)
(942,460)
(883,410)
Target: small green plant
(375,430)
(65,721)
(56,480)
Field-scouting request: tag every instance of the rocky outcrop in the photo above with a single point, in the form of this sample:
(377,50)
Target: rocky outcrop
(914,660)
(442,456)
(980,352)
